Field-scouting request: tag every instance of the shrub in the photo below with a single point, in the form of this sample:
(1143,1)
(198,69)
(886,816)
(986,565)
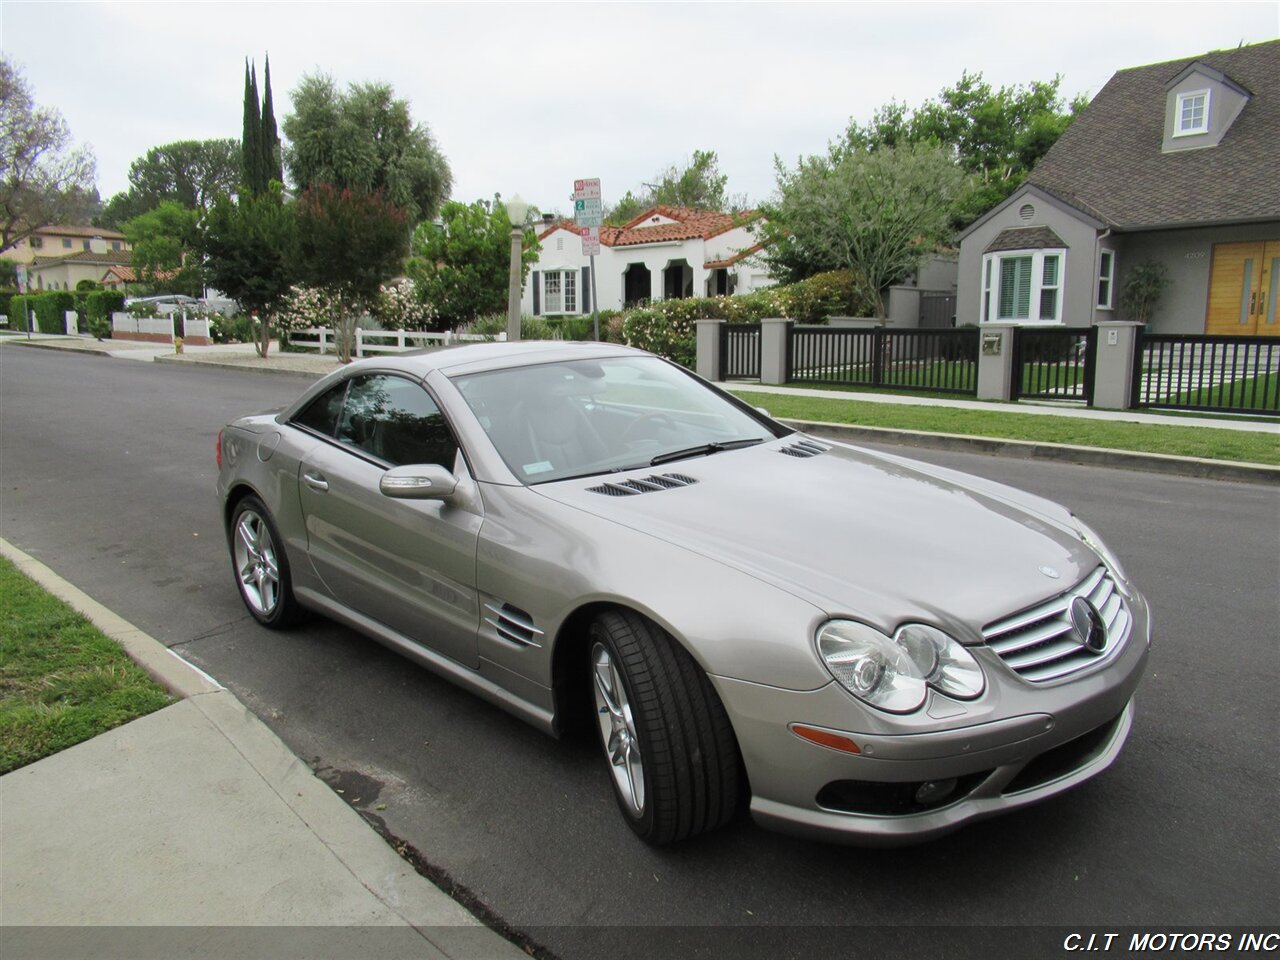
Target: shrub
(20,311)
(98,308)
(6,296)
(51,308)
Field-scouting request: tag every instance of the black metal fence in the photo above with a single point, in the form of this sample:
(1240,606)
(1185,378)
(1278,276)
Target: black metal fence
(739,351)
(936,361)
(1054,363)
(1194,372)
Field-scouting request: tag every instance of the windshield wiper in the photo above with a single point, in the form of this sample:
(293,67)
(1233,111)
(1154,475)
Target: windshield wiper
(704,449)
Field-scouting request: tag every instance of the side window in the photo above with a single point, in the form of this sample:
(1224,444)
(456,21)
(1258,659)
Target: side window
(321,415)
(396,421)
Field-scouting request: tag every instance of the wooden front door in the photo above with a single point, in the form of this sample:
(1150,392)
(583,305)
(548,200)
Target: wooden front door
(1242,289)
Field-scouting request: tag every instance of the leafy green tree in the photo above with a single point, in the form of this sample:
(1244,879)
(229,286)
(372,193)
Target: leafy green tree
(349,242)
(698,184)
(875,213)
(164,242)
(461,265)
(8,273)
(249,245)
(1143,290)
(996,136)
(43,179)
(187,172)
(364,139)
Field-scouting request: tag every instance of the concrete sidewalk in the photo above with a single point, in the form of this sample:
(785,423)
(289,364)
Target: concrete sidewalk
(196,832)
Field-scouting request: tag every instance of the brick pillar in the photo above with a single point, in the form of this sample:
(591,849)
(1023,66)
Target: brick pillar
(995,362)
(708,343)
(1113,369)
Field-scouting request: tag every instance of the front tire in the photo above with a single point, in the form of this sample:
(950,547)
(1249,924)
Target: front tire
(260,564)
(668,741)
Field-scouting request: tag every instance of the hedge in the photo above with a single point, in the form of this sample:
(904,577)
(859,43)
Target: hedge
(6,298)
(19,311)
(51,310)
(98,307)
(667,327)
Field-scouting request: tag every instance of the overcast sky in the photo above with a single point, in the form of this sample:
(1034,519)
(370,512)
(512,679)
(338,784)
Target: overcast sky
(526,97)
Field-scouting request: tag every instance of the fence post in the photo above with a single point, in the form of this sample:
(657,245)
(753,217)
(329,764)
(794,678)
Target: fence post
(708,349)
(359,341)
(1114,364)
(773,349)
(995,362)
(71,319)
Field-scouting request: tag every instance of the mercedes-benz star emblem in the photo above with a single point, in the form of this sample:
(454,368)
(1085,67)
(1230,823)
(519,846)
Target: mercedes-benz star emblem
(1087,627)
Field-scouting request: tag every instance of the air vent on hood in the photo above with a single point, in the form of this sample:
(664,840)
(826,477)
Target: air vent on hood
(514,624)
(650,484)
(803,449)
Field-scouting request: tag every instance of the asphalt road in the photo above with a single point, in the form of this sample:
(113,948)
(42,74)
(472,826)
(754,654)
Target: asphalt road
(107,473)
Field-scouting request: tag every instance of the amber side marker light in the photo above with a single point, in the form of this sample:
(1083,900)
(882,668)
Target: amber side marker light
(825,738)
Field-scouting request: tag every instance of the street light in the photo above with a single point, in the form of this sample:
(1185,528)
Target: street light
(517,210)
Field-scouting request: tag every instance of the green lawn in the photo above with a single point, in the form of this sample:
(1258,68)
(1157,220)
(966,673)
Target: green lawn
(1213,444)
(61,679)
(1251,393)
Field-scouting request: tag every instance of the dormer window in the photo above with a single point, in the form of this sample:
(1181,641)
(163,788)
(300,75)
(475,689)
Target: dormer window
(1192,113)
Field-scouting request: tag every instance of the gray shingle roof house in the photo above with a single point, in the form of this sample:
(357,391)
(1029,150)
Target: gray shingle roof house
(1175,162)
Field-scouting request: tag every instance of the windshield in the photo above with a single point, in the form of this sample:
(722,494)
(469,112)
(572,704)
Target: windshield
(578,418)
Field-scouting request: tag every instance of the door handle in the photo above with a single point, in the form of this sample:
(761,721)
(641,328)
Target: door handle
(315,481)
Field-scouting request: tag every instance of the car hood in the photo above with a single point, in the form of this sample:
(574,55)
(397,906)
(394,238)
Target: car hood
(857,533)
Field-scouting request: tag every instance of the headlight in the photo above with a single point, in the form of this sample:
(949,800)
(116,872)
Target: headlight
(1091,538)
(946,665)
(871,666)
(894,674)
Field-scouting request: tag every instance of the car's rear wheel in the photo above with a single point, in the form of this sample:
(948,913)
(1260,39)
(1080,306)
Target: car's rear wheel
(665,734)
(261,567)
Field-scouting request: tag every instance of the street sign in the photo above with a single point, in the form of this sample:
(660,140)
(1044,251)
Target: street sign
(588,212)
(586,189)
(590,240)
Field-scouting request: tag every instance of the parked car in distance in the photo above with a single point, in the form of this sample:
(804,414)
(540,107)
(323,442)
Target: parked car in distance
(871,649)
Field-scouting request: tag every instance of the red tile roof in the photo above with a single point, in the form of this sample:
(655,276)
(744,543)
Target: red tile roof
(690,224)
(730,261)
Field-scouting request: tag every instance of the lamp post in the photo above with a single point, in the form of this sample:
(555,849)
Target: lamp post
(517,210)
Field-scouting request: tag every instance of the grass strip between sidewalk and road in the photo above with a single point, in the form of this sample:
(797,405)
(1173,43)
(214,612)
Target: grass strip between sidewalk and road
(1172,439)
(61,679)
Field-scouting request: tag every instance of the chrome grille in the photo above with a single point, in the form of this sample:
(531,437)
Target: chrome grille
(514,624)
(1039,644)
(628,488)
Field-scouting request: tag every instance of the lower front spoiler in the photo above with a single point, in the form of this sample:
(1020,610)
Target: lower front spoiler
(988,799)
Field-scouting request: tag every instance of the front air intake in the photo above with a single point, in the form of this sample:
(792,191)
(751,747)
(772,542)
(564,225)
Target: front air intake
(649,484)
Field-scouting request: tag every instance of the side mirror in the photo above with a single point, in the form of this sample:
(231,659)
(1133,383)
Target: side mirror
(418,481)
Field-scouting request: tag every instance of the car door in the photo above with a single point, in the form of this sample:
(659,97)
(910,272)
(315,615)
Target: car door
(408,564)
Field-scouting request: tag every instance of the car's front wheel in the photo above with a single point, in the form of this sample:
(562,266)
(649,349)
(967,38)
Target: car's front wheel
(669,744)
(261,567)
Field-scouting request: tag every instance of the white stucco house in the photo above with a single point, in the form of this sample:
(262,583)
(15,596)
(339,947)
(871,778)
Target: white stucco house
(665,253)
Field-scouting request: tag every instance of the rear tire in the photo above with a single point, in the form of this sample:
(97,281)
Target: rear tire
(261,566)
(666,736)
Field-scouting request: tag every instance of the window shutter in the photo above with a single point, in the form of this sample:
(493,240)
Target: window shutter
(586,290)
(537,294)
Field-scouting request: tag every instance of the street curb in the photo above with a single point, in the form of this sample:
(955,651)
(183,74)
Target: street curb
(1196,467)
(309,375)
(49,346)
(439,919)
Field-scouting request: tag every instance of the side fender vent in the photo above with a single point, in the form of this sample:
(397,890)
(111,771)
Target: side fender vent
(513,624)
(649,484)
(804,449)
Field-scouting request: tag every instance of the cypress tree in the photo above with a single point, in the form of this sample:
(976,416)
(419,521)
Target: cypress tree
(271,166)
(250,140)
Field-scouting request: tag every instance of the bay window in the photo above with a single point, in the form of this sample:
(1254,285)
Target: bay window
(1023,286)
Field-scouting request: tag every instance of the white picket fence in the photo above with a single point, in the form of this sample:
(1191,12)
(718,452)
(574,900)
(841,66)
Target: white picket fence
(370,342)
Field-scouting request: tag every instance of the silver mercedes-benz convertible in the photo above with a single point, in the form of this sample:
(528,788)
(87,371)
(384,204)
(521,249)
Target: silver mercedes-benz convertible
(872,649)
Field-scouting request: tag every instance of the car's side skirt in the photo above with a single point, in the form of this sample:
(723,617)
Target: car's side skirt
(539,717)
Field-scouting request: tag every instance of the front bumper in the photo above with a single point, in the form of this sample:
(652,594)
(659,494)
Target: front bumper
(1018,744)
